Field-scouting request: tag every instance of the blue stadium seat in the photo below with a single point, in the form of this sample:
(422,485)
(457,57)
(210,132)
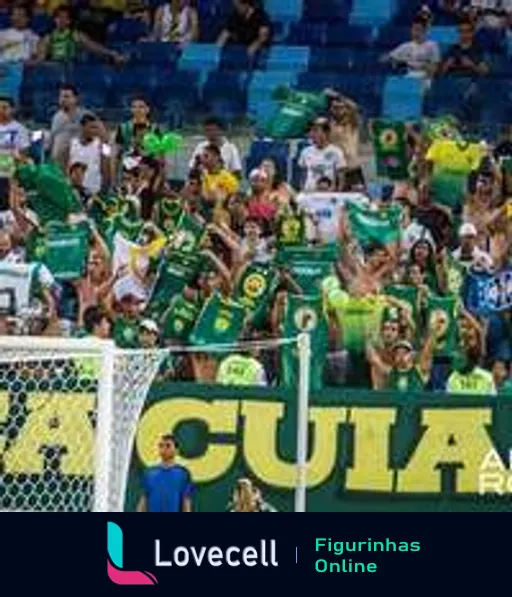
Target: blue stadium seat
(307,34)
(444,36)
(226,93)
(11,80)
(373,12)
(331,59)
(235,58)
(392,36)
(177,95)
(369,61)
(43,76)
(348,36)
(95,80)
(200,57)
(156,53)
(44,105)
(284,10)
(132,81)
(5,20)
(501,66)
(293,58)
(493,41)
(265,148)
(327,10)
(260,104)
(402,98)
(128,29)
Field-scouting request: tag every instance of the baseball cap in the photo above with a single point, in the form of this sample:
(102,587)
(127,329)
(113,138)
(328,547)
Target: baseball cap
(403,344)
(149,326)
(467,229)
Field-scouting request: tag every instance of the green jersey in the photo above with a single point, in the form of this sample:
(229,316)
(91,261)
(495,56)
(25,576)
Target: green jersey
(63,46)
(126,332)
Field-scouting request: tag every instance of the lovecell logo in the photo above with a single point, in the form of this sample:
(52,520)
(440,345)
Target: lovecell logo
(115,561)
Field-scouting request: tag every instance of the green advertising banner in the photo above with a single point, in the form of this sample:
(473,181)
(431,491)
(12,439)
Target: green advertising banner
(368,451)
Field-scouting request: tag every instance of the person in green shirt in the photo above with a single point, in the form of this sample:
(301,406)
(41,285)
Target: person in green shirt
(469,378)
(407,373)
(63,43)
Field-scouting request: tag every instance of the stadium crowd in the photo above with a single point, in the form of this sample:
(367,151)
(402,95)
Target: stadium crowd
(405,286)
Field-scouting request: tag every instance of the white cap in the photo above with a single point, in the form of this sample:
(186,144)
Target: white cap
(467,229)
(149,325)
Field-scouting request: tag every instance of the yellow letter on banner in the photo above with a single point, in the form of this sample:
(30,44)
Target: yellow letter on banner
(455,435)
(260,443)
(220,416)
(54,420)
(371,450)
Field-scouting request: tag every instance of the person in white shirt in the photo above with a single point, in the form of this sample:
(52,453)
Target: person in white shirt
(19,42)
(177,22)
(65,122)
(411,230)
(214,135)
(468,254)
(321,158)
(92,150)
(421,56)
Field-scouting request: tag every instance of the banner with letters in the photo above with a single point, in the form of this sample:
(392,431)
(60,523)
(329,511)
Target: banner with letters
(369,451)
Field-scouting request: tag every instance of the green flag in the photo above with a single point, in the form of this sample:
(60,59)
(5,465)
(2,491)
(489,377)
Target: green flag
(168,214)
(188,234)
(50,193)
(179,319)
(406,294)
(310,274)
(374,226)
(444,310)
(291,230)
(325,253)
(455,276)
(221,321)
(297,110)
(304,314)
(255,290)
(174,273)
(63,249)
(390,143)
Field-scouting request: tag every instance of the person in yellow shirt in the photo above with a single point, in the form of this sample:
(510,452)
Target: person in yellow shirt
(450,164)
(218,184)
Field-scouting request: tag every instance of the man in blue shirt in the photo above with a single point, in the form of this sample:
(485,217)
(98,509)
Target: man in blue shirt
(167,487)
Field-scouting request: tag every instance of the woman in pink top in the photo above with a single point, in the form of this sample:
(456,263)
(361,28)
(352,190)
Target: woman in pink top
(261,206)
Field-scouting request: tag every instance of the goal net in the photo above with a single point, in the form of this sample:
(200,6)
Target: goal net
(68,414)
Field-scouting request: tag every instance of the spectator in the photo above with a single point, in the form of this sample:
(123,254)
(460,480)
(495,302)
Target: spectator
(14,139)
(501,373)
(91,148)
(321,158)
(420,56)
(218,183)
(260,206)
(469,378)
(493,14)
(19,42)
(167,487)
(76,175)
(177,22)
(149,334)
(247,498)
(281,193)
(97,323)
(214,135)
(345,122)
(65,123)
(468,254)
(248,26)
(466,57)
(63,43)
